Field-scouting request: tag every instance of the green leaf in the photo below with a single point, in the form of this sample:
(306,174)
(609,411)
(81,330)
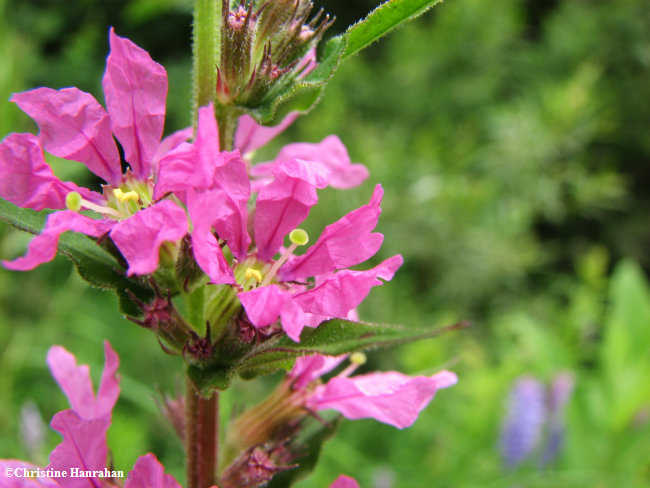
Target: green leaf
(333,337)
(381,21)
(625,345)
(94,264)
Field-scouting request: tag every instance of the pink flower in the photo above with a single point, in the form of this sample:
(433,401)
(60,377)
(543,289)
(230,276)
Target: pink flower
(74,126)
(251,136)
(284,203)
(330,152)
(336,291)
(217,195)
(83,428)
(344,482)
(389,397)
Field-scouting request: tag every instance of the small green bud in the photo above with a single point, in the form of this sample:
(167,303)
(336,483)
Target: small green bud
(73,201)
(299,237)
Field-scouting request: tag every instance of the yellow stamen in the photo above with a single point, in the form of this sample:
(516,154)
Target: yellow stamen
(253,273)
(298,237)
(125,197)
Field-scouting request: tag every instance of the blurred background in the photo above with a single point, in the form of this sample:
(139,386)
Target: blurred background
(512,140)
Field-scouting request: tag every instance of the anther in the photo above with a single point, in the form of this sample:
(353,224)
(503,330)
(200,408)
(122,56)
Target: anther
(73,201)
(253,273)
(358,358)
(299,237)
(125,197)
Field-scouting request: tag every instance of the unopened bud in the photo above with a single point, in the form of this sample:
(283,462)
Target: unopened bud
(299,237)
(73,201)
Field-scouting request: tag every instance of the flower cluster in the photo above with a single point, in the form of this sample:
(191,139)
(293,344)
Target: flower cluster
(183,216)
(83,452)
(145,210)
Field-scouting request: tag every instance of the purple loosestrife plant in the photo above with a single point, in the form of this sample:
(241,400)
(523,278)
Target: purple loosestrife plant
(193,220)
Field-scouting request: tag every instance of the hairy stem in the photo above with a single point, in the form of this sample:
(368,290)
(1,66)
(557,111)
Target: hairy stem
(201,437)
(205,52)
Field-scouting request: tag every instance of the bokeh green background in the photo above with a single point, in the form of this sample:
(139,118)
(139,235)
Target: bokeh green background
(512,140)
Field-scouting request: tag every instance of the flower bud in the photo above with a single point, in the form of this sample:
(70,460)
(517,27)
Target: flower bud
(256,466)
(237,34)
(265,46)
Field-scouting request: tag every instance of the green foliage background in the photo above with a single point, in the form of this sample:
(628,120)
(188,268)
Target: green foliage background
(512,141)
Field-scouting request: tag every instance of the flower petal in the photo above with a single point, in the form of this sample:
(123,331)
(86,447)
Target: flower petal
(83,447)
(309,368)
(267,304)
(206,208)
(192,165)
(201,166)
(147,472)
(11,472)
(344,482)
(392,398)
(27,180)
(346,242)
(140,236)
(135,88)
(232,178)
(330,152)
(109,387)
(284,204)
(75,382)
(342,292)
(74,126)
(175,171)
(293,320)
(172,141)
(250,135)
(43,247)
(264,304)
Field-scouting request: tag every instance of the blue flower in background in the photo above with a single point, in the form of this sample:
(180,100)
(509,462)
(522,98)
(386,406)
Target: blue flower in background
(535,419)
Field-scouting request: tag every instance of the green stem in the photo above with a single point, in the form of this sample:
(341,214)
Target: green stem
(201,437)
(206,46)
(202,414)
(227,117)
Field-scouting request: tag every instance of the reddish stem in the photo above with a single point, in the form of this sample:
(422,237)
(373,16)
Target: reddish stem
(201,437)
